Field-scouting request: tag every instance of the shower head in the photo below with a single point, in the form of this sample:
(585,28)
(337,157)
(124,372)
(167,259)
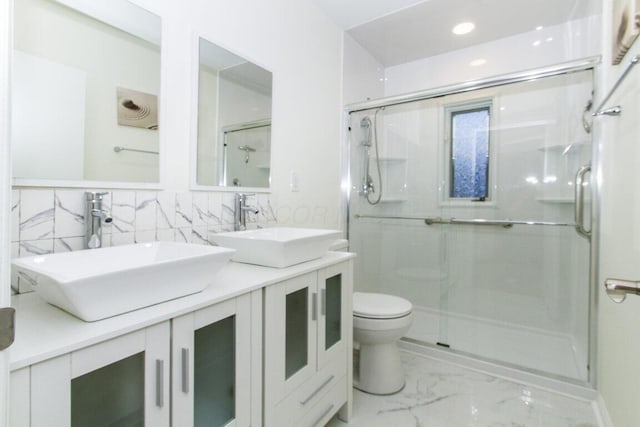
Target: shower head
(365,123)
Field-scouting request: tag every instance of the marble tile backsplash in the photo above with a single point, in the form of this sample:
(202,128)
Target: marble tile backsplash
(52,220)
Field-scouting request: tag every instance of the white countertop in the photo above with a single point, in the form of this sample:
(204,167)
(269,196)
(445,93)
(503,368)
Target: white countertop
(44,331)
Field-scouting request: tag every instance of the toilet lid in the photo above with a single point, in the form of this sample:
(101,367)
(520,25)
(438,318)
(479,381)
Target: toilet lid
(379,306)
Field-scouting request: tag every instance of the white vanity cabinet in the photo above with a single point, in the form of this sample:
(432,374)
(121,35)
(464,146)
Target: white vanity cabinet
(212,365)
(308,347)
(193,370)
(265,346)
(122,381)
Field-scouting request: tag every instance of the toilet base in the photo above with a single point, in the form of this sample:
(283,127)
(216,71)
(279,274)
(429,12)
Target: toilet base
(380,369)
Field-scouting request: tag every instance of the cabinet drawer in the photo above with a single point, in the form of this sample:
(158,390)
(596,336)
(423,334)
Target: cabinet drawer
(322,411)
(298,402)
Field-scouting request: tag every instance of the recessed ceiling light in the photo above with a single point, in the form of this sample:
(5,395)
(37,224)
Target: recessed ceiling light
(536,43)
(463,28)
(549,39)
(478,62)
(539,27)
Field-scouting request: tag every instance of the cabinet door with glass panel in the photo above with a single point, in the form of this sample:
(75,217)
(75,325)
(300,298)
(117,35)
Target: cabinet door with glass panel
(123,381)
(211,350)
(335,323)
(307,331)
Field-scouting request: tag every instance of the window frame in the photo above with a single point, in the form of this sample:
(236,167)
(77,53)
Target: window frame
(449,111)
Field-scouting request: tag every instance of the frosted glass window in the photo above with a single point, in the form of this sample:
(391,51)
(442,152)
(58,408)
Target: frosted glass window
(333,318)
(110,396)
(469,171)
(214,374)
(296,328)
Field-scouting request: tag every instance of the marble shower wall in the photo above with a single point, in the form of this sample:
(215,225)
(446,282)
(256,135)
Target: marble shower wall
(52,220)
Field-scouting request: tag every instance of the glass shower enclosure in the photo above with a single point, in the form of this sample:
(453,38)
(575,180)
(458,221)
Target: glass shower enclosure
(465,205)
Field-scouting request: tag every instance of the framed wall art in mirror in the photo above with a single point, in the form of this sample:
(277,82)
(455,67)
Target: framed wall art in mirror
(233,143)
(85,93)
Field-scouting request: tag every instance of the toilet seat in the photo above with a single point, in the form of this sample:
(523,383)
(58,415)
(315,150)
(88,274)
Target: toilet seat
(370,305)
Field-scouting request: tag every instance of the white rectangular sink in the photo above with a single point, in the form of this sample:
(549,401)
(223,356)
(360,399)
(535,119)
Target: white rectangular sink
(279,246)
(97,283)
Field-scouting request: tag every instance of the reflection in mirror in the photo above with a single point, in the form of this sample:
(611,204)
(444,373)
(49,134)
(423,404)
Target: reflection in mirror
(234,120)
(85,91)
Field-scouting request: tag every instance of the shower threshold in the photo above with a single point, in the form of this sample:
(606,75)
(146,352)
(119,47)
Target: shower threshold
(557,383)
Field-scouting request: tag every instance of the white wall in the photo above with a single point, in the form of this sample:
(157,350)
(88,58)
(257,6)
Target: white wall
(241,104)
(363,74)
(48,117)
(572,40)
(618,337)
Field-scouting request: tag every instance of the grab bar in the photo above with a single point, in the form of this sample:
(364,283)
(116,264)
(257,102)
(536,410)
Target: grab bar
(118,149)
(498,223)
(506,223)
(579,201)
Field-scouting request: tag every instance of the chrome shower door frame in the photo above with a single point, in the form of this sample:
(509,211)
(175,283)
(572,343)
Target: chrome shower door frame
(585,64)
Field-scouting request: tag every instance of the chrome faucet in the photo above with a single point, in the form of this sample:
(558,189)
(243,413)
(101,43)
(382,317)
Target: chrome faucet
(240,210)
(94,216)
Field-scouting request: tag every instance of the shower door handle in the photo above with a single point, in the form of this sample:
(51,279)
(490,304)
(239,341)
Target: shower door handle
(579,201)
(618,289)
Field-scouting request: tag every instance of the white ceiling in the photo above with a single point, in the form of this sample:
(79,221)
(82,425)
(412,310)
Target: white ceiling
(399,31)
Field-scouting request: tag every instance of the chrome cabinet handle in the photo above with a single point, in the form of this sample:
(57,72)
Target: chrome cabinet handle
(316,391)
(323,302)
(159,383)
(579,201)
(324,414)
(314,306)
(185,370)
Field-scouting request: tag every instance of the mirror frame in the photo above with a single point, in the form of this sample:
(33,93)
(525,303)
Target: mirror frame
(85,8)
(195,82)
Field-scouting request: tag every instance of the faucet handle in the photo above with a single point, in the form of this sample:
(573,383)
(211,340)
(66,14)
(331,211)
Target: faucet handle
(95,195)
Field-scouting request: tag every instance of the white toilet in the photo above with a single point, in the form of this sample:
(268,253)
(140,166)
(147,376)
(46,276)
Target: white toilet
(379,321)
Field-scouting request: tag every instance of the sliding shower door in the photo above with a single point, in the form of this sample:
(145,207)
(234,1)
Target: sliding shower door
(475,219)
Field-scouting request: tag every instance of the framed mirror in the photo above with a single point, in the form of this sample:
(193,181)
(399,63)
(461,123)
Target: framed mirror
(85,93)
(233,143)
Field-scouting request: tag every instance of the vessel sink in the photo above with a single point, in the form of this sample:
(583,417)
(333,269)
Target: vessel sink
(97,283)
(279,246)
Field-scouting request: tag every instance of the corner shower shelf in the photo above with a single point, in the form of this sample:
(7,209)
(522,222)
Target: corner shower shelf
(392,159)
(393,199)
(560,148)
(555,199)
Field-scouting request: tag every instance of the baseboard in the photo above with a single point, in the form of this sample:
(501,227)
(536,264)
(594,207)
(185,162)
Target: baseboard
(602,414)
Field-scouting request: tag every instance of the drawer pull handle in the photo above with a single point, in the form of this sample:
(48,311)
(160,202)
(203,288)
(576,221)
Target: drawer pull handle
(324,414)
(316,391)
(185,370)
(159,383)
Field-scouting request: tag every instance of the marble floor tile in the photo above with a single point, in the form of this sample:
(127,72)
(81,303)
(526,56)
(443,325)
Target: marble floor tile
(440,394)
